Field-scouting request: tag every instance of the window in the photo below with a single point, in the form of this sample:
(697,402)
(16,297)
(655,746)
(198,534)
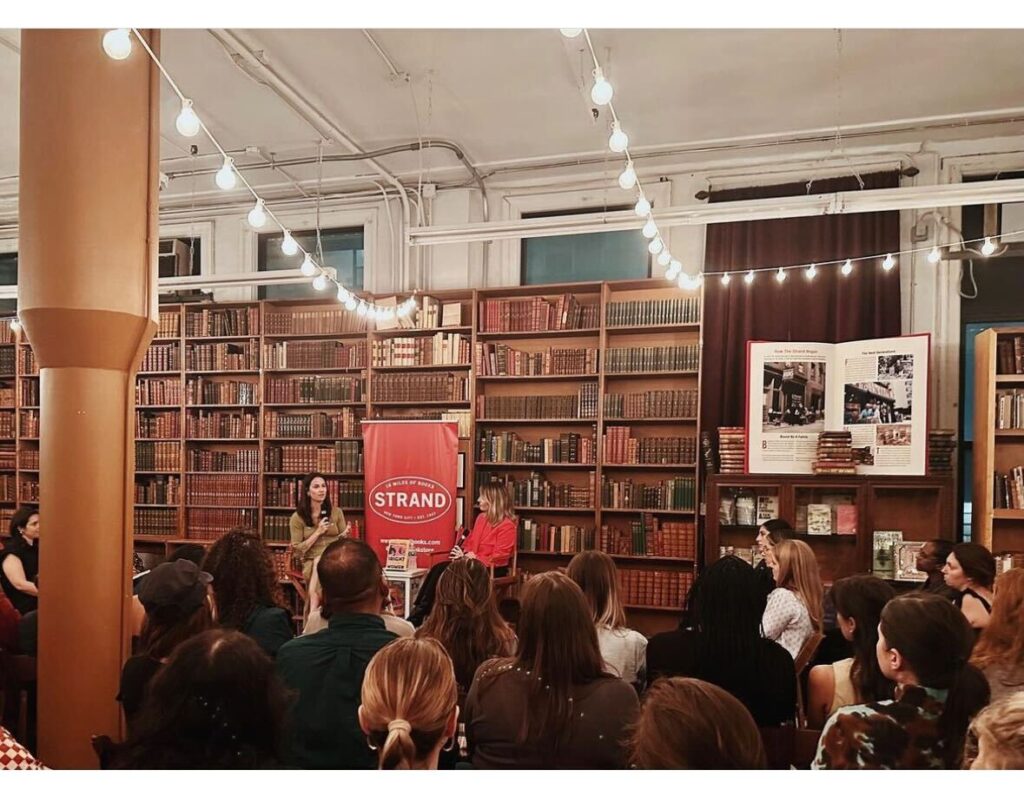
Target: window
(8,275)
(180,256)
(597,256)
(342,250)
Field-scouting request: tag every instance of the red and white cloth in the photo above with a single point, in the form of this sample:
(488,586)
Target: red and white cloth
(15,757)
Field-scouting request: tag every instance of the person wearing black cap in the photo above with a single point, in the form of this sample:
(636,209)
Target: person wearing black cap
(175,596)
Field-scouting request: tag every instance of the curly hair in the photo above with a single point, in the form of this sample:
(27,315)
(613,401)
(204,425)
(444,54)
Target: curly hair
(243,576)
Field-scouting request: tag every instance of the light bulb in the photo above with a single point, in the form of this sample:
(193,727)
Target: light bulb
(288,245)
(988,247)
(618,141)
(650,229)
(888,263)
(225,177)
(351,303)
(387,313)
(361,309)
(627,178)
(656,245)
(601,93)
(847,268)
(811,271)
(643,207)
(118,43)
(780,276)
(674,269)
(188,121)
(934,255)
(308,267)
(257,217)
(689,282)
(749,278)
(15,325)
(664,258)
(343,294)
(571,33)
(320,283)
(726,278)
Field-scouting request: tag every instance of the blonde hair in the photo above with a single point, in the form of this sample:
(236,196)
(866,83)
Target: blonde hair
(1001,726)
(595,573)
(1002,641)
(409,696)
(798,572)
(500,502)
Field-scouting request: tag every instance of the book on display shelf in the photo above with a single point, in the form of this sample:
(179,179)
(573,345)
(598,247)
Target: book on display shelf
(834,453)
(653,312)
(222,322)
(219,425)
(343,424)
(158,392)
(442,348)
(582,404)
(651,404)
(330,320)
(314,354)
(425,387)
(148,521)
(157,456)
(675,494)
(500,359)
(767,508)
(621,448)
(1010,354)
(536,315)
(314,389)
(819,519)
(509,447)
(159,358)
(644,359)
(158,491)
(157,425)
(732,450)
(219,460)
(884,544)
(941,451)
(230,490)
(169,324)
(341,457)
(242,356)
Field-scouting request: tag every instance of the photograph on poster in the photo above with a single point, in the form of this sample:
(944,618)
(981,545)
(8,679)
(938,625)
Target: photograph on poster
(794,396)
(893,435)
(888,402)
(896,365)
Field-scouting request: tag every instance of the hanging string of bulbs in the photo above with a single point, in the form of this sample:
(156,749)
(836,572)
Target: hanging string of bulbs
(601,94)
(117,44)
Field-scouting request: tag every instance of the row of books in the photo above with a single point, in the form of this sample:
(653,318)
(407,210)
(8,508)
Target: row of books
(29,393)
(7,359)
(941,448)
(677,493)
(157,425)
(8,457)
(276,527)
(537,491)
(200,390)
(168,324)
(582,404)
(509,447)
(161,357)
(536,536)
(155,522)
(227,490)
(638,359)
(1009,489)
(223,356)
(620,447)
(537,314)
(157,391)
(28,459)
(314,389)
(314,354)
(28,489)
(328,321)
(209,525)
(1010,409)
(500,359)
(343,424)
(342,457)
(649,537)
(286,492)
(834,453)
(732,450)
(222,425)
(27,361)
(655,588)
(157,456)
(222,322)
(241,460)
(420,387)
(7,396)
(651,404)
(6,333)
(653,312)
(1010,354)
(158,491)
(443,348)
(8,488)
(430,313)
(461,418)
(29,424)
(8,424)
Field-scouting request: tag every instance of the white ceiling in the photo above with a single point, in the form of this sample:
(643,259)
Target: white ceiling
(508,95)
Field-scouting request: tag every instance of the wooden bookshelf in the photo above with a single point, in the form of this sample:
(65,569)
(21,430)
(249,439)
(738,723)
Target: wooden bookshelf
(998,445)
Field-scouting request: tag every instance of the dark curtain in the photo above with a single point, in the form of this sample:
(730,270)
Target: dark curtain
(831,308)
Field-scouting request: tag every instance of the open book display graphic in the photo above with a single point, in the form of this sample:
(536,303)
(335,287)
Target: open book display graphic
(877,390)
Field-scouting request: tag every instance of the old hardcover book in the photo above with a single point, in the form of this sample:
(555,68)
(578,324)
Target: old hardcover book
(819,520)
(884,544)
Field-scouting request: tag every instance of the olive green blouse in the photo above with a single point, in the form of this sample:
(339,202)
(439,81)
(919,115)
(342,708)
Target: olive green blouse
(301,531)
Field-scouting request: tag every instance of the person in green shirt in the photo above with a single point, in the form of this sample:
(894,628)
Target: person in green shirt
(315,524)
(326,669)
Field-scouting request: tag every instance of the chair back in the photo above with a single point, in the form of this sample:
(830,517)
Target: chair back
(788,747)
(803,659)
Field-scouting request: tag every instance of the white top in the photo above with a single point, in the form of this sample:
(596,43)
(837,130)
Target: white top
(786,620)
(624,652)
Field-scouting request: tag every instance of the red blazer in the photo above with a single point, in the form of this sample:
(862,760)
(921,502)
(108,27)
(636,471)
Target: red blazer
(493,546)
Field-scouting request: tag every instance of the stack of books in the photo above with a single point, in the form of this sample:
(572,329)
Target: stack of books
(941,446)
(835,453)
(732,450)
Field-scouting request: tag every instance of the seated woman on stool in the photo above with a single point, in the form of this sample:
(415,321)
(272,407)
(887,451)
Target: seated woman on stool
(493,539)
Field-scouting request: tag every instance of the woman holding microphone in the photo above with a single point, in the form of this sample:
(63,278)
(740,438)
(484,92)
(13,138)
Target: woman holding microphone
(493,539)
(315,524)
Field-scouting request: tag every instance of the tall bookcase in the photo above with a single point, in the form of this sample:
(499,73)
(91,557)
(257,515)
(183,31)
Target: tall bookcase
(997,517)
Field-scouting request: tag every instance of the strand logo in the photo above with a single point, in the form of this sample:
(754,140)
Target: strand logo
(410,500)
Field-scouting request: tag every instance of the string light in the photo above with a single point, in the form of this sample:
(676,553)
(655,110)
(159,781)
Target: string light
(656,245)
(601,93)
(674,269)
(308,267)
(780,276)
(643,207)
(749,278)
(118,43)
(257,217)
(627,178)
(571,33)
(689,282)
(847,268)
(934,255)
(811,271)
(343,294)
(988,247)
(15,325)
(650,229)
(362,308)
(664,258)
(320,283)
(225,177)
(288,245)
(188,121)
(618,141)
(351,303)
(726,278)
(888,263)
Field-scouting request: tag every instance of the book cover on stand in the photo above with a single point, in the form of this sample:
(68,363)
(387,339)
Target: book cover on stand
(883,552)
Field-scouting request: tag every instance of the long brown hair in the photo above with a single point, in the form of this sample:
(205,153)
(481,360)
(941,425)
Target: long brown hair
(862,598)
(595,573)
(1001,726)
(408,699)
(243,576)
(798,572)
(1002,642)
(691,724)
(500,501)
(558,650)
(465,619)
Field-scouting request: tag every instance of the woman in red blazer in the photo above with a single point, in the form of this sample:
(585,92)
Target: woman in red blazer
(493,539)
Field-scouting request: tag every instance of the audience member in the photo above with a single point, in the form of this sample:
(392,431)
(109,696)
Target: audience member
(723,644)
(688,724)
(14,756)
(316,622)
(176,599)
(9,619)
(19,561)
(793,612)
(246,590)
(923,647)
(553,706)
(970,570)
(999,652)
(192,552)
(493,539)
(624,650)
(28,634)
(931,560)
(999,729)
(326,669)
(769,535)
(217,704)
(409,705)
(859,601)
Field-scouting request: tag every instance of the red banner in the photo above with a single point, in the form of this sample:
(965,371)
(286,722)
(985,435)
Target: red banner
(410,483)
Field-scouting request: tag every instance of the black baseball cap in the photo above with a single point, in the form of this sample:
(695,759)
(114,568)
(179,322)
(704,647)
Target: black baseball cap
(177,584)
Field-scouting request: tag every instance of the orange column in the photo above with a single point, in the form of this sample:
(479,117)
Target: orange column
(87,299)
